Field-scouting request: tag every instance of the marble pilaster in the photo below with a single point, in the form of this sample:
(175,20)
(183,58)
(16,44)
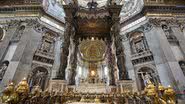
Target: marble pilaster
(183,30)
(5,42)
(180,37)
(165,61)
(24,53)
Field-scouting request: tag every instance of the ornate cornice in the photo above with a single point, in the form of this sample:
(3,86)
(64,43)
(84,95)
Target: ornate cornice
(160,11)
(14,23)
(157,22)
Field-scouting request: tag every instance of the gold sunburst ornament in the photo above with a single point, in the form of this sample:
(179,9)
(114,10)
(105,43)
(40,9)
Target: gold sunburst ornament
(92,49)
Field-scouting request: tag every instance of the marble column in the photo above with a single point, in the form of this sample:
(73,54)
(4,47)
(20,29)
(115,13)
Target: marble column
(73,65)
(165,61)
(118,58)
(178,72)
(111,65)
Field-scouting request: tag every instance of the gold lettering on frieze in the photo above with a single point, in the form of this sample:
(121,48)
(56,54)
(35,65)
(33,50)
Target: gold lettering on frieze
(159,14)
(19,15)
(27,14)
(164,14)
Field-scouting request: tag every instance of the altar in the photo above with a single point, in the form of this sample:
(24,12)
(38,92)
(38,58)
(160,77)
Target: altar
(92,88)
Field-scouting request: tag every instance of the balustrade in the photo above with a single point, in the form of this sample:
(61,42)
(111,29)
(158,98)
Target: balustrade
(151,95)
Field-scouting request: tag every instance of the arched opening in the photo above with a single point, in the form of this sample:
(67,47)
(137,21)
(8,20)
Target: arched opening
(3,68)
(38,77)
(182,65)
(144,75)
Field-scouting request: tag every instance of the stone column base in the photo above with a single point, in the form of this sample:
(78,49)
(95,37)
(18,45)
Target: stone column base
(58,85)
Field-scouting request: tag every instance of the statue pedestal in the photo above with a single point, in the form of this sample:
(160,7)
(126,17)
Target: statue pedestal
(125,85)
(58,85)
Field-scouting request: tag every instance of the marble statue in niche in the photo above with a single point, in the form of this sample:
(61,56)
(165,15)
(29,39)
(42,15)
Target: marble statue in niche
(145,75)
(38,77)
(146,78)
(3,69)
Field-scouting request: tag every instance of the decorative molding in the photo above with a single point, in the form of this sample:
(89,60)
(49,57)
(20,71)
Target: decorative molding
(131,8)
(143,57)
(158,22)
